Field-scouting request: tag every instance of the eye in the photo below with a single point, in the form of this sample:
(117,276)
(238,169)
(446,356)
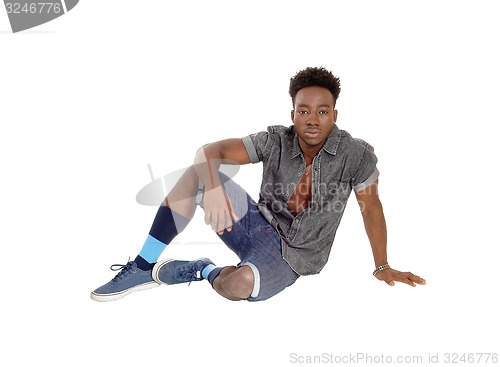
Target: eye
(324,112)
(303,112)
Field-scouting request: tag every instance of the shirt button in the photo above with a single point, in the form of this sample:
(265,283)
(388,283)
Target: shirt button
(298,173)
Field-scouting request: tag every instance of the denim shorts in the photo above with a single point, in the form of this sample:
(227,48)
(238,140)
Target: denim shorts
(257,244)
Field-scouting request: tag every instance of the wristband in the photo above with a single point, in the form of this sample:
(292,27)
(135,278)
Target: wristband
(380,268)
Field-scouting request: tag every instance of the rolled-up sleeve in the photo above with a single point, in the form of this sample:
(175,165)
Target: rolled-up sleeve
(367,172)
(252,152)
(258,146)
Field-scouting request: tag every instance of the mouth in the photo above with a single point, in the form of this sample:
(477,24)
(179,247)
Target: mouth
(313,133)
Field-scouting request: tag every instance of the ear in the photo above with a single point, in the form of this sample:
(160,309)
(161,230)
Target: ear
(335,114)
(292,114)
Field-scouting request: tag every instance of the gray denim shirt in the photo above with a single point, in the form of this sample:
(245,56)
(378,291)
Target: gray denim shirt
(343,164)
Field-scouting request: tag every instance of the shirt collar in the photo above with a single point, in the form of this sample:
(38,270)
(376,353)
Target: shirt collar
(331,144)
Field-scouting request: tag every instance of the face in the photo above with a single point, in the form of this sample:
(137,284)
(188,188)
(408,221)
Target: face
(314,115)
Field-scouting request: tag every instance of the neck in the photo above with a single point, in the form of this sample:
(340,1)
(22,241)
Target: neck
(309,152)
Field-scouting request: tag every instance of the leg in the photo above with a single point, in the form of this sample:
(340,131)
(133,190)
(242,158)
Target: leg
(234,283)
(137,275)
(262,272)
(182,198)
(173,215)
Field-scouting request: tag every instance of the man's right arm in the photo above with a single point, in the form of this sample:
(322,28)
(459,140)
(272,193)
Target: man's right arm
(218,209)
(210,156)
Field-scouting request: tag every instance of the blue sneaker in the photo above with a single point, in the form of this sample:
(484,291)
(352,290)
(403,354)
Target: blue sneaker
(179,271)
(129,279)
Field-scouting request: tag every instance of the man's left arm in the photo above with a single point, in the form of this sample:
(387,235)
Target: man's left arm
(374,220)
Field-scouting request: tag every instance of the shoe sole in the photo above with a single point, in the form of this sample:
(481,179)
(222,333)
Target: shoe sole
(115,296)
(156,270)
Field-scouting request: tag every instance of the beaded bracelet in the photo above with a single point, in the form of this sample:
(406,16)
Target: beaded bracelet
(380,268)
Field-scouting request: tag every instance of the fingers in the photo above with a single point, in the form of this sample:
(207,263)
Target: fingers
(226,218)
(392,276)
(224,223)
(220,220)
(229,216)
(208,216)
(219,213)
(233,214)
(415,278)
(409,278)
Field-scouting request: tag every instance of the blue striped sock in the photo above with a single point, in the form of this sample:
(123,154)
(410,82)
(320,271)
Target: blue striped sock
(165,227)
(206,270)
(152,249)
(210,273)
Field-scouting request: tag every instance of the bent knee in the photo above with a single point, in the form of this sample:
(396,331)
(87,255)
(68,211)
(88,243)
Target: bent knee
(239,283)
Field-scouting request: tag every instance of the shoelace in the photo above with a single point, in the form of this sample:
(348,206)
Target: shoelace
(190,272)
(125,269)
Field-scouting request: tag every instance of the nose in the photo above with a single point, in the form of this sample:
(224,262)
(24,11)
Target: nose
(313,119)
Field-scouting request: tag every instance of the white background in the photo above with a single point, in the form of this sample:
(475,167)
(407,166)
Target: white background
(88,100)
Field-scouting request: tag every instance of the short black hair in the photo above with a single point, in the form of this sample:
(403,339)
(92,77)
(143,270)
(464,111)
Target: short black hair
(314,77)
